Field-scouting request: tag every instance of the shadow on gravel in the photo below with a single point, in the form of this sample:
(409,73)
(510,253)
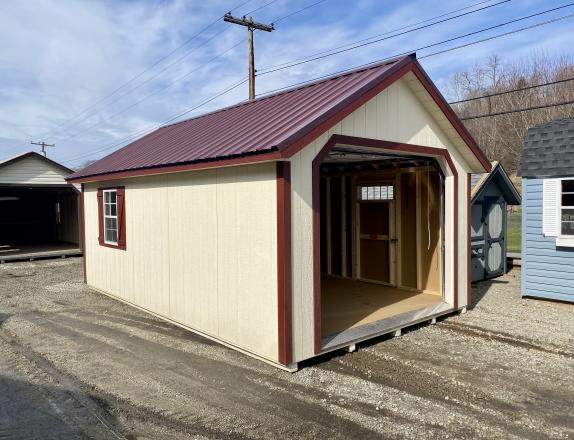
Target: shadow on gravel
(30,411)
(480,289)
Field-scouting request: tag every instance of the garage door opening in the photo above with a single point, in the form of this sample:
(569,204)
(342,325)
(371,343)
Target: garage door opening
(381,240)
(38,222)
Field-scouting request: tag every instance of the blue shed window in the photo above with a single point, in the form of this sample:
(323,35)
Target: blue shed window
(567,214)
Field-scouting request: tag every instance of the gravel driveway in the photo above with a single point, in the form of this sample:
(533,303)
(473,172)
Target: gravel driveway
(76,364)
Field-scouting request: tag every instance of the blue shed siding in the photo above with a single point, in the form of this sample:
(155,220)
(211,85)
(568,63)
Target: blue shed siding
(547,271)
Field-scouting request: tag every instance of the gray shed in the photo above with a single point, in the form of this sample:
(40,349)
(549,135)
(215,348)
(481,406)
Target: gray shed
(41,214)
(491,194)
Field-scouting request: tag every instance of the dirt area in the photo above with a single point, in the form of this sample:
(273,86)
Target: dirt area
(76,364)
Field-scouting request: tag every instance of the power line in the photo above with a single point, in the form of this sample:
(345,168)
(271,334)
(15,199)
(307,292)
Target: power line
(384,33)
(506,112)
(515,31)
(177,79)
(404,53)
(365,41)
(147,69)
(163,70)
(149,95)
(301,10)
(293,64)
(138,86)
(512,91)
(156,126)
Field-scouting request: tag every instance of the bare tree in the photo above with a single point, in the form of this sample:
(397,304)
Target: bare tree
(501,137)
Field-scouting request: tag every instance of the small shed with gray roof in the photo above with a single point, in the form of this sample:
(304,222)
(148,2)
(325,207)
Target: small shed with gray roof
(547,171)
(491,194)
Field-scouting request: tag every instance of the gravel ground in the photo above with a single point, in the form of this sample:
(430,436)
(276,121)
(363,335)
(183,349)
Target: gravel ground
(76,364)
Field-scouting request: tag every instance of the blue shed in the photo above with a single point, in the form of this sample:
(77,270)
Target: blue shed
(491,194)
(547,171)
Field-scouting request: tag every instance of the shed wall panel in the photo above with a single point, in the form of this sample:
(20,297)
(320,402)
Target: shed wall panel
(546,269)
(205,256)
(396,114)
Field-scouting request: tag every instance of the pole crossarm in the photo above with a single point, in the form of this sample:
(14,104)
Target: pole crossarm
(248,22)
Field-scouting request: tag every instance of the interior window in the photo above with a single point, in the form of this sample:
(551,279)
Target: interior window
(567,214)
(376,192)
(111,216)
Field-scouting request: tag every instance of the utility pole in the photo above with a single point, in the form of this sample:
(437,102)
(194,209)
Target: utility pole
(43,146)
(250,24)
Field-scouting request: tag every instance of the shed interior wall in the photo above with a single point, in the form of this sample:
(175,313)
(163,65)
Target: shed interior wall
(205,256)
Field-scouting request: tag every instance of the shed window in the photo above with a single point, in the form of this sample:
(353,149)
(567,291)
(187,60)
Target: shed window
(567,208)
(376,192)
(112,218)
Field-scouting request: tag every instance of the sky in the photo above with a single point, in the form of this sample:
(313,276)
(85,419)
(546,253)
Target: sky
(92,75)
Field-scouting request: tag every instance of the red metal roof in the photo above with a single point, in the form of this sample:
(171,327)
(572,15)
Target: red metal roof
(266,124)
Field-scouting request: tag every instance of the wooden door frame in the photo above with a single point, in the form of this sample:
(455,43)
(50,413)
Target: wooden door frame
(411,149)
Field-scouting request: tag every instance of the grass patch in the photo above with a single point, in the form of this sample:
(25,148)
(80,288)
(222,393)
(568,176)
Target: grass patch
(514,228)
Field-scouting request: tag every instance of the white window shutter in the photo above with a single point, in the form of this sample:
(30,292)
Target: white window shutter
(551,207)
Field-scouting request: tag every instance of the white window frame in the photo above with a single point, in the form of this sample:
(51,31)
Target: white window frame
(376,192)
(562,240)
(562,207)
(109,216)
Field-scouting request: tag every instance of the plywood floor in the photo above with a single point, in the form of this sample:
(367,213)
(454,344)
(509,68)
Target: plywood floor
(349,303)
(17,251)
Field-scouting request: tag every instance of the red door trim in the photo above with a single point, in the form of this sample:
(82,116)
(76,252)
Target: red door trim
(284,293)
(373,143)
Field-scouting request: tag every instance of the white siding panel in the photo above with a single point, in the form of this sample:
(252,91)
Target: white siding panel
(32,170)
(201,250)
(396,114)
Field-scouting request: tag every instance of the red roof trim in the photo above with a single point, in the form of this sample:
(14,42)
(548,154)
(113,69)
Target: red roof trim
(216,163)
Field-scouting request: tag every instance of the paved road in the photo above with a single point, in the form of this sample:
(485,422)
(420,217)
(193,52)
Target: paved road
(76,364)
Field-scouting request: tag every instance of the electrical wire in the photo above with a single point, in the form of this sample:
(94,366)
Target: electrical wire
(155,92)
(149,129)
(527,109)
(515,31)
(65,123)
(384,33)
(149,95)
(298,63)
(560,81)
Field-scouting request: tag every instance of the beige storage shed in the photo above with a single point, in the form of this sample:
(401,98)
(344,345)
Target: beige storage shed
(294,224)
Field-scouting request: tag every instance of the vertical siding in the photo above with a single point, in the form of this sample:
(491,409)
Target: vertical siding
(32,170)
(547,271)
(201,250)
(396,114)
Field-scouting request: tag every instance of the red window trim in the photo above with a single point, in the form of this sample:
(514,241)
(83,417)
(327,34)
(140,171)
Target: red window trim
(121,196)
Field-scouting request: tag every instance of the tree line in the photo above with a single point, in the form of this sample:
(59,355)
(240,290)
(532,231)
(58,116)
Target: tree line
(501,137)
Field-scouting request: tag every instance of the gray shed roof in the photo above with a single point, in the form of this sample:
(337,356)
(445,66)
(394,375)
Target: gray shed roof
(549,150)
(497,176)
